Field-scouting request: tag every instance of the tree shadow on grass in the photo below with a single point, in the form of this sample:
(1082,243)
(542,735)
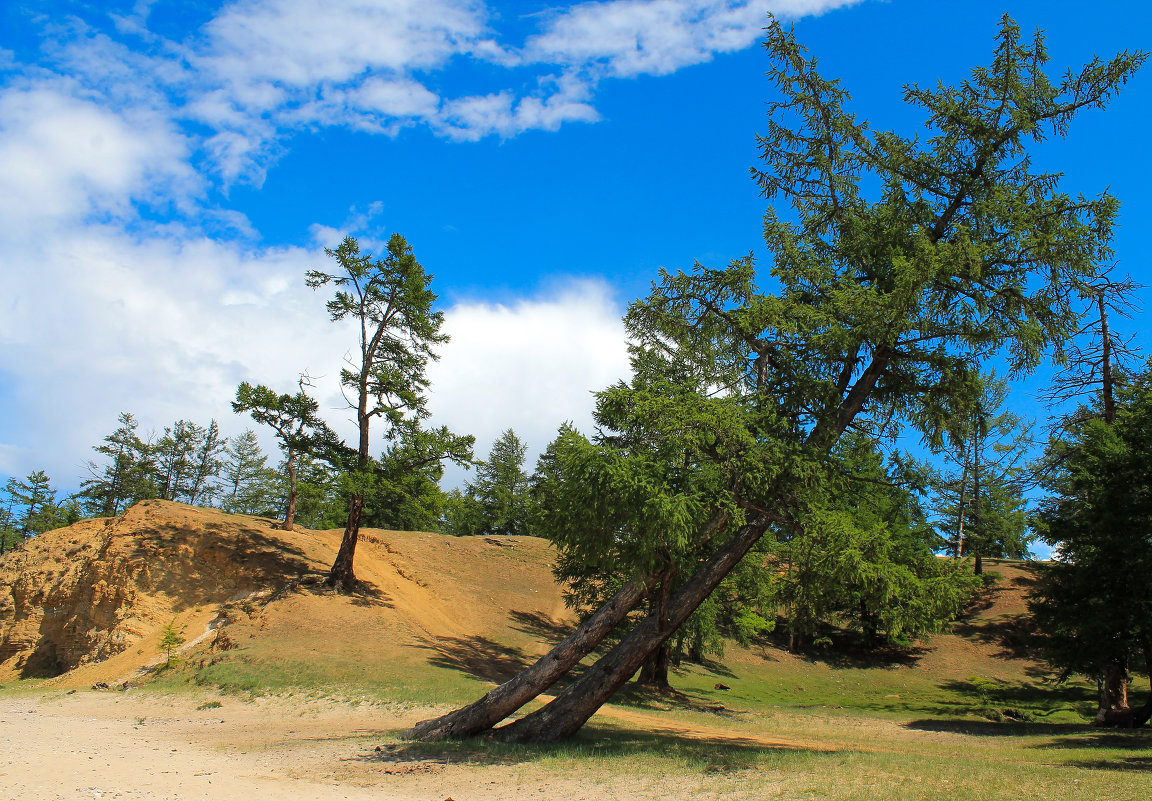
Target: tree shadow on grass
(478,657)
(540,626)
(1013,635)
(846,649)
(1108,740)
(711,754)
(1133,764)
(1131,739)
(1038,700)
(713,667)
(987,728)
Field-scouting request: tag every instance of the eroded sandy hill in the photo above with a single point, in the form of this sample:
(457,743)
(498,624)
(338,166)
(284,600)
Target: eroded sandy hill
(87,602)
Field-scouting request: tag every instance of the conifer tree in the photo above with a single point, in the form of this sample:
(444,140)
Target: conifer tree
(321,502)
(249,485)
(496,502)
(9,528)
(1097,363)
(911,260)
(125,478)
(406,493)
(389,300)
(34,503)
(1093,603)
(206,464)
(981,502)
(1097,360)
(862,558)
(174,454)
(171,638)
(295,421)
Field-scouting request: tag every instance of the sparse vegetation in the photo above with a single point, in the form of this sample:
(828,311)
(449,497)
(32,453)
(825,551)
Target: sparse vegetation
(171,639)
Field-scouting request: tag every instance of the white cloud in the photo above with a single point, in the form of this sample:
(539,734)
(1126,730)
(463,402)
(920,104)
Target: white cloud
(99,322)
(262,67)
(164,327)
(66,156)
(471,118)
(530,365)
(396,98)
(104,312)
(304,43)
(625,38)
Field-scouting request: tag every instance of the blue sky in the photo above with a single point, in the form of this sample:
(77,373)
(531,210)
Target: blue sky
(168,171)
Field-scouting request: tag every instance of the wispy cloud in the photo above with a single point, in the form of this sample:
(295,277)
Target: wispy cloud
(626,38)
(260,67)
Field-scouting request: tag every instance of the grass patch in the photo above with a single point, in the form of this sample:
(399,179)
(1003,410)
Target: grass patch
(245,673)
(876,760)
(894,692)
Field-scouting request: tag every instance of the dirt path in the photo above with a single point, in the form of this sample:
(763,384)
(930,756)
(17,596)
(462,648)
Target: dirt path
(131,745)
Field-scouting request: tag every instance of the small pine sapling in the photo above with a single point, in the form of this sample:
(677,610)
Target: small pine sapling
(171,638)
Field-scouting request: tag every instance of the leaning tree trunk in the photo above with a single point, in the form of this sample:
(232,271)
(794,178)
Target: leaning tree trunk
(502,701)
(341,576)
(569,711)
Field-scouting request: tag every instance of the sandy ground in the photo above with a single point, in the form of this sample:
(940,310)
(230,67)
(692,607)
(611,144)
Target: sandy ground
(130,745)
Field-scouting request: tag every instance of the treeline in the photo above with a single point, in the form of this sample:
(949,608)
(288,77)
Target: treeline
(871,567)
(195,464)
(187,462)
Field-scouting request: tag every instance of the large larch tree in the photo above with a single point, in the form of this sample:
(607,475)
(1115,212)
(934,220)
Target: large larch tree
(906,261)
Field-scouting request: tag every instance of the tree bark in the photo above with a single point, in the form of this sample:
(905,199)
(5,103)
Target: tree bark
(290,515)
(654,671)
(1117,686)
(570,710)
(960,506)
(977,455)
(502,701)
(341,577)
(1106,363)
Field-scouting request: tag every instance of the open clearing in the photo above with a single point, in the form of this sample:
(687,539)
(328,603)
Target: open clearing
(300,694)
(144,745)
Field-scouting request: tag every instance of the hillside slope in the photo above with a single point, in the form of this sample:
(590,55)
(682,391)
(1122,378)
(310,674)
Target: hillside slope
(86,603)
(439,617)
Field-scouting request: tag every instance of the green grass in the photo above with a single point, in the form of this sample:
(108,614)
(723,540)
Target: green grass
(887,693)
(916,761)
(245,673)
(840,733)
